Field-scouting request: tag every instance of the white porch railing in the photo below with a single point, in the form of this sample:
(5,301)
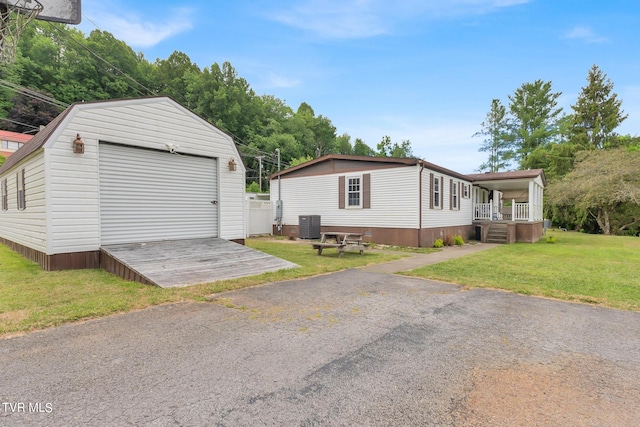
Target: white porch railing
(487,211)
(519,211)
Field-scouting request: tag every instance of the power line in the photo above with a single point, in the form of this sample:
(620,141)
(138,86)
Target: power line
(32,93)
(36,128)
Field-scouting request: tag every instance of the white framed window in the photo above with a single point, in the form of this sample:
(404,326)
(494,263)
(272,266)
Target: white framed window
(354,192)
(465,191)
(454,195)
(5,196)
(22,200)
(437,192)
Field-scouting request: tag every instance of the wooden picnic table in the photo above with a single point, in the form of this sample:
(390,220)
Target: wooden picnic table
(340,240)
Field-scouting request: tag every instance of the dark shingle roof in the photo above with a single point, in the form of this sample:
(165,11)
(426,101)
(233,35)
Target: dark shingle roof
(35,143)
(387,160)
(499,176)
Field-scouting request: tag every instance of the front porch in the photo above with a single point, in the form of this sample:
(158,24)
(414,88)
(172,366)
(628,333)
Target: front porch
(509,211)
(509,205)
(506,232)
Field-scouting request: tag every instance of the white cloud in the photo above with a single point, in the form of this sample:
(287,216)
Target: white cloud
(279,81)
(353,19)
(335,19)
(585,34)
(136,30)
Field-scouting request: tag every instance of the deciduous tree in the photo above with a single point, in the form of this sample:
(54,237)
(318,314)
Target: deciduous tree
(603,184)
(388,149)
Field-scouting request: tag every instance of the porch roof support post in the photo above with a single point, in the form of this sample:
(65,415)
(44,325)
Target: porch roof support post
(540,202)
(491,210)
(532,197)
(513,209)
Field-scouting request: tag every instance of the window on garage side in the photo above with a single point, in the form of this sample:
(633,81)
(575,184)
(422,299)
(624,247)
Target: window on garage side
(22,199)
(5,196)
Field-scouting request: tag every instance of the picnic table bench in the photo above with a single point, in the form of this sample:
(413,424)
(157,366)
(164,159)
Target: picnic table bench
(343,241)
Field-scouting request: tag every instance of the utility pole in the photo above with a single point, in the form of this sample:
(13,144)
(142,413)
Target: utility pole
(279,202)
(260,171)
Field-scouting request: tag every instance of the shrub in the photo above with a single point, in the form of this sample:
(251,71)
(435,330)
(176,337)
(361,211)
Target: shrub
(448,241)
(458,240)
(551,239)
(438,243)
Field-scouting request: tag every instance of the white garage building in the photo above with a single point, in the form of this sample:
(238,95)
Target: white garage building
(120,171)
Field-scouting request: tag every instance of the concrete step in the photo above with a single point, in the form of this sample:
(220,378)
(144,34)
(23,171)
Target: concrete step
(497,233)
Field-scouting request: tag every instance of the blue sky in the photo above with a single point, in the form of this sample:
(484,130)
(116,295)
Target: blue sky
(422,70)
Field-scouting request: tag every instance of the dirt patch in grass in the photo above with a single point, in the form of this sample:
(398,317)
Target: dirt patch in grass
(13,316)
(573,390)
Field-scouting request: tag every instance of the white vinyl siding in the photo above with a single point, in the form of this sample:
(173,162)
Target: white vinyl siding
(150,195)
(72,179)
(393,199)
(433,218)
(28,226)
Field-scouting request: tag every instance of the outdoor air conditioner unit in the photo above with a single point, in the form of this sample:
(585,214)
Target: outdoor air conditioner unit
(309,226)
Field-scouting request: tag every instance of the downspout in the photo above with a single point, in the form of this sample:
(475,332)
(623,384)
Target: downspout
(420,203)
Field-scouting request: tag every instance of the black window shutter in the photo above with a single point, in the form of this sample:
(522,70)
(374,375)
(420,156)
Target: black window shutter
(341,192)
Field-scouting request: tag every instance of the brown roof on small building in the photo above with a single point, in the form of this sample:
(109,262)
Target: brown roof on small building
(499,176)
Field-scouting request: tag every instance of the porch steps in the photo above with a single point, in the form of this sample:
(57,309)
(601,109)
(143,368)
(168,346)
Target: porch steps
(497,233)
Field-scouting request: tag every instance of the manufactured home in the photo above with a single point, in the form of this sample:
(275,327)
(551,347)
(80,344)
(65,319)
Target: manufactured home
(408,202)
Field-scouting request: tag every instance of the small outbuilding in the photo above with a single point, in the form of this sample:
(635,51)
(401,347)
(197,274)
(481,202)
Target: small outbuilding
(117,172)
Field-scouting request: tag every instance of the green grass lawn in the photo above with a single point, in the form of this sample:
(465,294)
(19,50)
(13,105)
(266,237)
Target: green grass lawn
(578,267)
(596,269)
(34,299)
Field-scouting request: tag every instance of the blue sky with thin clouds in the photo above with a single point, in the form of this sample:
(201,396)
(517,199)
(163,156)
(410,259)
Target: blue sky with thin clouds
(425,70)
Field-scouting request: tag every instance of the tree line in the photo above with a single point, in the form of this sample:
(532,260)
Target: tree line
(57,65)
(593,172)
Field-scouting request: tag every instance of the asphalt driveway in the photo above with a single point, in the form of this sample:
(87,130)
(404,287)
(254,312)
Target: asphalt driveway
(349,348)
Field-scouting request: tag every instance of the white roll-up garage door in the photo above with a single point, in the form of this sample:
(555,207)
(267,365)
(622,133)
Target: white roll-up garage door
(148,195)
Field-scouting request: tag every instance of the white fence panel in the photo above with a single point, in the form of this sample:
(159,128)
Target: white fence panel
(259,217)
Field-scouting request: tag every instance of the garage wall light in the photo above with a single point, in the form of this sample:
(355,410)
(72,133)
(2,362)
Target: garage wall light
(78,145)
(232,164)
